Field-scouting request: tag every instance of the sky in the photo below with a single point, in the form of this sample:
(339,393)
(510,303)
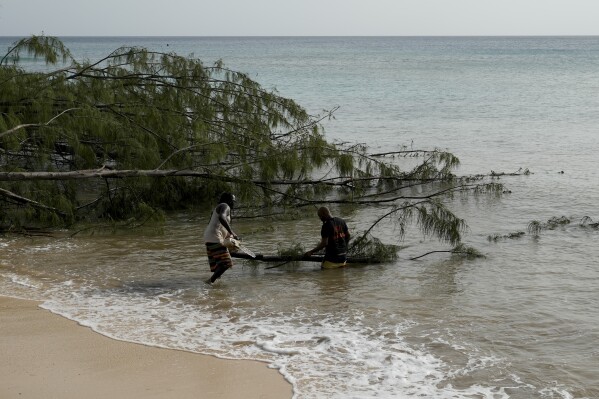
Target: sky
(298,17)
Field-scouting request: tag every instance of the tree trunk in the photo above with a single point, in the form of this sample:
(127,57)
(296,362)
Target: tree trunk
(295,258)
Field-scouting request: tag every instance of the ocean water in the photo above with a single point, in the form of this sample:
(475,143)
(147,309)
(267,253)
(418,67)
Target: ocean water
(520,323)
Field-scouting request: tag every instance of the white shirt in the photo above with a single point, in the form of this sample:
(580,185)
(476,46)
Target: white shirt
(215,231)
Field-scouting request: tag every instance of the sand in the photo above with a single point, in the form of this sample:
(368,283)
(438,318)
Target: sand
(43,355)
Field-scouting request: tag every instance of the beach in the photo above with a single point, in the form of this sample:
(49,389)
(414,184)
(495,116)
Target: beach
(47,356)
(520,322)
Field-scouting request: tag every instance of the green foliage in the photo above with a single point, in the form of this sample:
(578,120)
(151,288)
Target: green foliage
(535,227)
(373,249)
(366,248)
(587,221)
(345,165)
(49,48)
(296,250)
(495,189)
(436,220)
(555,222)
(462,250)
(138,109)
(511,236)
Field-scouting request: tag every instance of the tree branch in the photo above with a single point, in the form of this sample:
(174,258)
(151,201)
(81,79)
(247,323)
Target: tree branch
(26,125)
(23,200)
(108,174)
(432,252)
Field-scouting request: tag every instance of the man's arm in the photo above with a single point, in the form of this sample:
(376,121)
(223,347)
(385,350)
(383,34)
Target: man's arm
(324,240)
(323,244)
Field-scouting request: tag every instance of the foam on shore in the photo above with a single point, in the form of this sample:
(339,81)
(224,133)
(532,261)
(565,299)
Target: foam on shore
(45,355)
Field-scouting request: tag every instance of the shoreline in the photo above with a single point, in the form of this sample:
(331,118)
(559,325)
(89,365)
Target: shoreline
(47,355)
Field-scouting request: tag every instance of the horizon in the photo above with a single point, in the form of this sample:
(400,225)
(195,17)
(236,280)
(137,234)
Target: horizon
(298,36)
(275,18)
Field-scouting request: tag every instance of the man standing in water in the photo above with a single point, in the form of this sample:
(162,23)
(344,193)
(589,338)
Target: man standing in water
(334,238)
(217,231)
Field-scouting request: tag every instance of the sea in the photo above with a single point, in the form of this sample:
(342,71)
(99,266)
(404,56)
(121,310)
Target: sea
(521,322)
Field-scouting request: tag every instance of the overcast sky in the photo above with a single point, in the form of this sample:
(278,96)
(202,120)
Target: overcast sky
(298,17)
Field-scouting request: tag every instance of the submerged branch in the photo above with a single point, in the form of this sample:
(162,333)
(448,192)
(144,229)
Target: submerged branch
(432,252)
(459,249)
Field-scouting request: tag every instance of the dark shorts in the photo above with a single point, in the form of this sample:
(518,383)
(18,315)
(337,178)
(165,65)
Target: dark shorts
(218,256)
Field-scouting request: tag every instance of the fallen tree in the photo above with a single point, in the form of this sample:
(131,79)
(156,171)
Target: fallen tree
(140,132)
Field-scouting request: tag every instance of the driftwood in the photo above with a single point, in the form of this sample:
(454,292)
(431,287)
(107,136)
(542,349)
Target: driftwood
(296,258)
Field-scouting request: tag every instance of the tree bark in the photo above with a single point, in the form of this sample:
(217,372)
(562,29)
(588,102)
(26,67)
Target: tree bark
(107,173)
(296,258)
(103,173)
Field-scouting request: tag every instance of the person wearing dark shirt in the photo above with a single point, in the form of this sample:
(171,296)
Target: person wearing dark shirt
(334,239)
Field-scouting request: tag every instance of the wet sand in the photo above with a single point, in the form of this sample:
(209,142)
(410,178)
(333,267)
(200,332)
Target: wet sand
(47,356)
